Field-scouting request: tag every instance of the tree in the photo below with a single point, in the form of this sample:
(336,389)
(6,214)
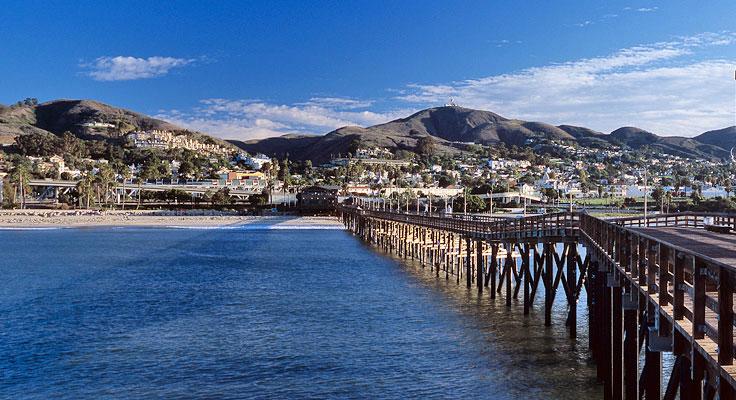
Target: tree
(148,172)
(551,194)
(426,146)
(308,169)
(446,180)
(8,194)
(36,144)
(222,198)
(106,179)
(85,188)
(258,199)
(583,176)
(657,193)
(125,174)
(475,204)
(186,169)
(19,178)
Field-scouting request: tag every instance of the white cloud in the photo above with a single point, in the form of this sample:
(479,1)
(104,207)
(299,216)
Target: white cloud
(125,68)
(337,103)
(647,9)
(656,87)
(667,88)
(584,23)
(253,119)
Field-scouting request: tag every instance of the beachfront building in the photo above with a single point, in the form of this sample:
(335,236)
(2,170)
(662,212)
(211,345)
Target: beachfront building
(249,180)
(157,139)
(256,162)
(317,198)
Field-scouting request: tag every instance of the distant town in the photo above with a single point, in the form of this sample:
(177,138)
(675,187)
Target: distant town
(160,168)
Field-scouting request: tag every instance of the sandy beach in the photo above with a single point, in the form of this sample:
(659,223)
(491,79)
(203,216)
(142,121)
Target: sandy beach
(198,218)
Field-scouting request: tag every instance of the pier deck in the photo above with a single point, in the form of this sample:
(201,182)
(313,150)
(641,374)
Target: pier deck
(655,285)
(720,247)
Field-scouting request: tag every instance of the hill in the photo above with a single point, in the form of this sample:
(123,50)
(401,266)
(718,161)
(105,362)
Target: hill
(724,138)
(454,127)
(680,146)
(76,116)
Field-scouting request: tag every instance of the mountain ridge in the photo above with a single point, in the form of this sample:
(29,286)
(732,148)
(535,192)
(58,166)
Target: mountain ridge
(62,115)
(453,127)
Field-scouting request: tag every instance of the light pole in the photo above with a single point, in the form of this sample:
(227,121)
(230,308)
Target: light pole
(571,199)
(465,201)
(646,189)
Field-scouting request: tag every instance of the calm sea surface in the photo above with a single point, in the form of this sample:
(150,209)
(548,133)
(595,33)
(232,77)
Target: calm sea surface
(259,313)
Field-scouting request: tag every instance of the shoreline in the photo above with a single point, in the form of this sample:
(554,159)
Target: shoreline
(30,219)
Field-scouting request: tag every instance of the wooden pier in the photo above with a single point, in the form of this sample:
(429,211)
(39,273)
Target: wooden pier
(654,286)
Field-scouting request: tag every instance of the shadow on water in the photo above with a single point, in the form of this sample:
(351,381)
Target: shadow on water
(539,361)
(141,313)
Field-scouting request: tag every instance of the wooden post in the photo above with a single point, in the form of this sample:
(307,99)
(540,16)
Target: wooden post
(631,345)
(616,340)
(548,289)
(606,330)
(479,265)
(571,289)
(510,263)
(725,317)
(678,306)
(494,269)
(468,262)
(526,271)
(653,361)
(699,299)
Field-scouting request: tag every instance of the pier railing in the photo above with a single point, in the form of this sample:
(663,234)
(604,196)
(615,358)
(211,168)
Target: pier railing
(685,291)
(684,297)
(684,219)
(563,224)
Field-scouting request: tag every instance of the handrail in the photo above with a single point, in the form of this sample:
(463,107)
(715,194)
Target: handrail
(687,219)
(693,291)
(490,228)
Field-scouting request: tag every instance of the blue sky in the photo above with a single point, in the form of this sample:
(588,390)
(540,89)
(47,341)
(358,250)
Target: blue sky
(256,69)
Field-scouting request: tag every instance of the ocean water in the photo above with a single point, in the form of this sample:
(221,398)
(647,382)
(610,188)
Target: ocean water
(260,313)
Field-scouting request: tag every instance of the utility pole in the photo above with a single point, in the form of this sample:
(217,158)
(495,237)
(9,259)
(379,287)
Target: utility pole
(22,191)
(525,206)
(570,199)
(465,201)
(646,223)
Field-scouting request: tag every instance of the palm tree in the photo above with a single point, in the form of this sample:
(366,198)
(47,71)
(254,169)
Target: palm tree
(125,174)
(85,188)
(106,177)
(20,177)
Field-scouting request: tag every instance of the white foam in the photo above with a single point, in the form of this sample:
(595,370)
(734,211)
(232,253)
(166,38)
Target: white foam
(30,228)
(258,227)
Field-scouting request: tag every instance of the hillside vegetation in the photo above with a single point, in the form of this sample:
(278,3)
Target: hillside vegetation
(454,128)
